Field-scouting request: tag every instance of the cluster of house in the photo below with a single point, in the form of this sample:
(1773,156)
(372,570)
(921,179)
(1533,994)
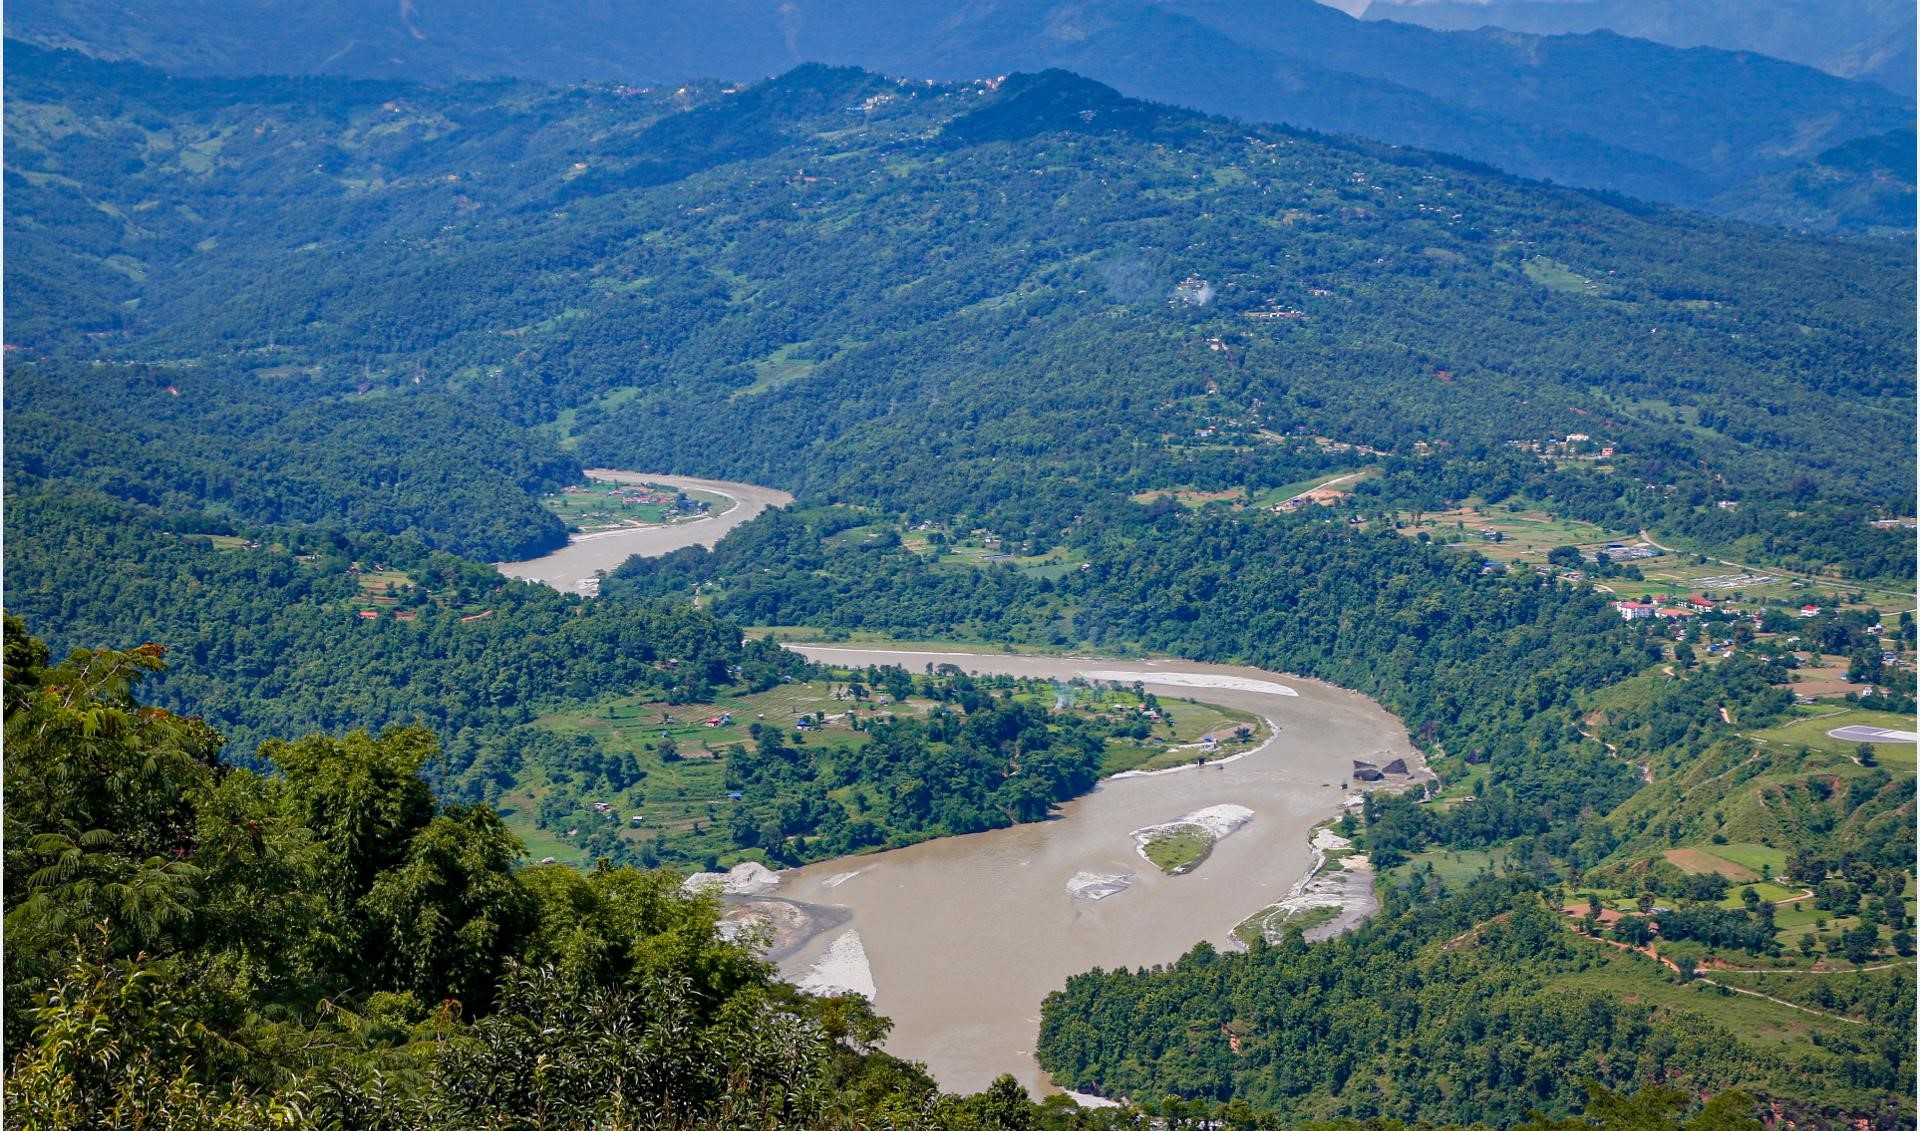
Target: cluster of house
(1576,444)
(1621,552)
(1662,607)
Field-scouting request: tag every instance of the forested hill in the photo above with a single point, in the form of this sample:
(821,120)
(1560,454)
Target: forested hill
(1600,110)
(1035,286)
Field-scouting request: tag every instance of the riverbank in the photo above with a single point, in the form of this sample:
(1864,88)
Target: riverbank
(964,936)
(1325,902)
(577,566)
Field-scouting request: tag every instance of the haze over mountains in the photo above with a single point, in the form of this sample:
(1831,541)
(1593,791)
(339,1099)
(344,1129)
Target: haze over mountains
(1866,39)
(1700,128)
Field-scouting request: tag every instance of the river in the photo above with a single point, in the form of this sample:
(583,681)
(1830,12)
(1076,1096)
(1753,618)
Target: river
(572,568)
(964,936)
(959,939)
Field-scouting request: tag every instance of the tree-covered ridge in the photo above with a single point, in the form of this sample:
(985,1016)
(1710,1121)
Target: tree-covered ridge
(797,281)
(1489,1020)
(283,452)
(1599,110)
(267,637)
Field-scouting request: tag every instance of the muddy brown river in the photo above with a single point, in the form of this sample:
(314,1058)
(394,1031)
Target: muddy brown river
(963,937)
(586,555)
(958,940)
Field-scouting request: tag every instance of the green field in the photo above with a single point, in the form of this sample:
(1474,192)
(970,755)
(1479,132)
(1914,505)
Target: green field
(1557,276)
(682,794)
(1527,534)
(1770,1028)
(778,368)
(1810,730)
(1453,867)
(1178,850)
(599,506)
(567,424)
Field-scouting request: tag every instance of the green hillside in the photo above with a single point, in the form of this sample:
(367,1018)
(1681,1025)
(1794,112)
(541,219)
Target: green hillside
(971,273)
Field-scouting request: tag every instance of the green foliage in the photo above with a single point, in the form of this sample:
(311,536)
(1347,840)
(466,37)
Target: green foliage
(523,252)
(268,641)
(289,451)
(1482,1028)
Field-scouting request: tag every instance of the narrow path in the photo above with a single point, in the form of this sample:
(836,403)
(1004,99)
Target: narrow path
(1780,1001)
(1760,970)
(1649,952)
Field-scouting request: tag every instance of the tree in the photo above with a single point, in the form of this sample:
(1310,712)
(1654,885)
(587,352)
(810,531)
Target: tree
(443,922)
(113,1046)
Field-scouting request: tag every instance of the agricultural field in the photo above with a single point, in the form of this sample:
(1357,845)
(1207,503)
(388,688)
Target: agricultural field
(675,755)
(1524,535)
(1682,572)
(1741,864)
(608,506)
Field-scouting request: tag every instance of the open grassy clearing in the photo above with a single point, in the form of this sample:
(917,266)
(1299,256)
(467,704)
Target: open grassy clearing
(1184,741)
(566,424)
(1341,481)
(1764,1025)
(1557,276)
(1193,500)
(601,505)
(779,368)
(1811,727)
(1524,535)
(1453,867)
(1178,850)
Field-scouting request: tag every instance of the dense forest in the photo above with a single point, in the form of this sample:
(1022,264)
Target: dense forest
(199,946)
(1487,1023)
(229,445)
(791,282)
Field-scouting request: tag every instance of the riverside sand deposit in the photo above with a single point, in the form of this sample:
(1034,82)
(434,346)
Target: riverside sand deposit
(576,567)
(958,940)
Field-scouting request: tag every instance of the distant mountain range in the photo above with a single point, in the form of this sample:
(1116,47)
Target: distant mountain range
(1865,39)
(1687,127)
